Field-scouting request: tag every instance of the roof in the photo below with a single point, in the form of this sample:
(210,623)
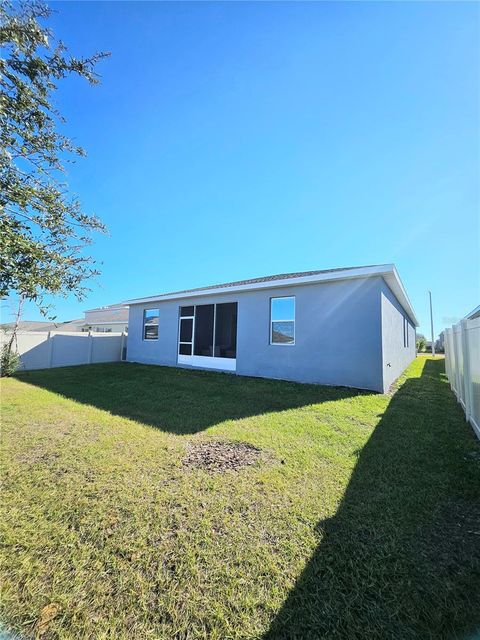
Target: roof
(108,307)
(237,283)
(70,325)
(111,314)
(29,325)
(387,271)
(42,325)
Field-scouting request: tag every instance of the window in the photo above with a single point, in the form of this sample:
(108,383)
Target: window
(150,324)
(226,330)
(187,311)
(204,318)
(185,338)
(186,330)
(282,320)
(208,330)
(405,332)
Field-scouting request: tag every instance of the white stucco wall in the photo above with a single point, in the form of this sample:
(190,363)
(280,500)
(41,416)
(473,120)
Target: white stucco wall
(338,333)
(395,355)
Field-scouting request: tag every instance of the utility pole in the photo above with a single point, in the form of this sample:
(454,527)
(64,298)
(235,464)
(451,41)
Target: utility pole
(431,324)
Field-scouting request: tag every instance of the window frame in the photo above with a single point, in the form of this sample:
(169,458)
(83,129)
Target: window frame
(213,357)
(150,324)
(179,342)
(284,344)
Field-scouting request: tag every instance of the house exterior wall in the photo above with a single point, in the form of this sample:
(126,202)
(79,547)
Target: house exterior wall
(104,327)
(395,355)
(338,333)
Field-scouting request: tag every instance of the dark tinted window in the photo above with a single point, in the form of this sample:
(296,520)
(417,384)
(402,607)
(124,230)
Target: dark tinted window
(185,350)
(186,328)
(204,330)
(226,330)
(186,311)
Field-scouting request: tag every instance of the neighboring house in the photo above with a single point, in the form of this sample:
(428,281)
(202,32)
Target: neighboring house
(110,319)
(32,325)
(440,343)
(351,327)
(113,318)
(70,326)
(28,325)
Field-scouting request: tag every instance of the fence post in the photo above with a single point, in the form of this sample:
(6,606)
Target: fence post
(447,359)
(466,370)
(451,355)
(90,347)
(458,373)
(122,345)
(50,349)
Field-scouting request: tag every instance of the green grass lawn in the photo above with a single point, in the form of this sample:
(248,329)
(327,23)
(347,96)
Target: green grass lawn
(362,519)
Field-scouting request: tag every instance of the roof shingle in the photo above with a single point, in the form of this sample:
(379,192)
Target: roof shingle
(238,283)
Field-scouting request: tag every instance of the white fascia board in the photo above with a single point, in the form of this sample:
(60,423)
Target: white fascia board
(396,285)
(387,271)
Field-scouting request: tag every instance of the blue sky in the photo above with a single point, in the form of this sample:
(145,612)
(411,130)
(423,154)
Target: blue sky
(233,140)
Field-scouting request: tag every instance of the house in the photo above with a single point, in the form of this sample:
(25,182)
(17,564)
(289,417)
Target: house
(28,325)
(34,325)
(352,327)
(440,343)
(112,318)
(109,319)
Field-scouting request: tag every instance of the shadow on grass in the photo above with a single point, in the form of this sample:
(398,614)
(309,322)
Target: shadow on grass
(178,400)
(401,557)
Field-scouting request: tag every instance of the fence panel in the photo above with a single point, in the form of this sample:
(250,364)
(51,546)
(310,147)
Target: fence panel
(44,350)
(462,355)
(460,364)
(106,350)
(70,349)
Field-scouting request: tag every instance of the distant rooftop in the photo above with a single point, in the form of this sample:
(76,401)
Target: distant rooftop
(110,314)
(117,305)
(42,325)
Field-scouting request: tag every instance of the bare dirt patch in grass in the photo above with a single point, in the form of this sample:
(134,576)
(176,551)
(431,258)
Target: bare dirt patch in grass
(218,457)
(37,456)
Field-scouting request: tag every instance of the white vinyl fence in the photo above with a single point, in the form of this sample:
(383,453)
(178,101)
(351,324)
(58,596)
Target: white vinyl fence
(43,350)
(462,361)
